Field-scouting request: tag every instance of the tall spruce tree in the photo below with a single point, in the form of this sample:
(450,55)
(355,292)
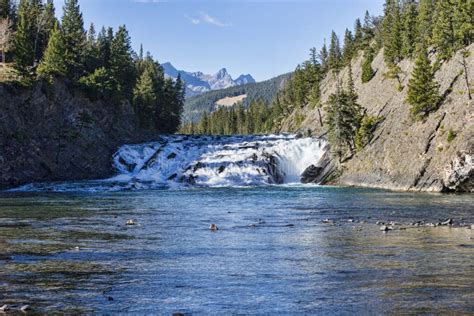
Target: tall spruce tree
(145,97)
(444,39)
(426,10)
(367,70)
(368,29)
(409,33)
(54,62)
(348,49)
(324,57)
(358,34)
(74,37)
(392,36)
(423,90)
(335,55)
(121,62)
(24,42)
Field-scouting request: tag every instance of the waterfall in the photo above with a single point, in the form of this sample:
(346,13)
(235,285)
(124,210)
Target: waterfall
(209,161)
(219,160)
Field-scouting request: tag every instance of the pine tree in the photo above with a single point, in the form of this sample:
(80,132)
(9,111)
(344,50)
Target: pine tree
(463,23)
(92,51)
(324,57)
(358,34)
(75,38)
(145,98)
(334,57)
(45,23)
(409,33)
(121,62)
(392,28)
(53,62)
(104,40)
(423,90)
(348,50)
(367,70)
(444,39)
(367,29)
(426,9)
(24,43)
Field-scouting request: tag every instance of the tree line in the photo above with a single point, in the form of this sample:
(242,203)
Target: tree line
(41,47)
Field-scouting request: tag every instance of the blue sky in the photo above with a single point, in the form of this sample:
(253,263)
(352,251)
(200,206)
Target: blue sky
(262,37)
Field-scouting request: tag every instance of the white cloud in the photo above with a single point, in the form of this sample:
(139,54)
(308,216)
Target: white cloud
(205,18)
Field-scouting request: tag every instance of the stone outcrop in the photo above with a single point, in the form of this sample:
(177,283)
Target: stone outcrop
(434,154)
(55,132)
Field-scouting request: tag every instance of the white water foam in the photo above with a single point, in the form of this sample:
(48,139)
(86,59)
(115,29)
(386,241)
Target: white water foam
(213,161)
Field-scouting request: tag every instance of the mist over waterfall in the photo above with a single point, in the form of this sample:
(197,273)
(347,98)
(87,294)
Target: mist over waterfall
(218,160)
(207,161)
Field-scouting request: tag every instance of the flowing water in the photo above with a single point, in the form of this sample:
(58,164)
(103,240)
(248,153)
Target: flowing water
(280,249)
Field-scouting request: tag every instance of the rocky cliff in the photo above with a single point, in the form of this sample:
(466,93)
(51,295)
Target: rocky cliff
(54,132)
(435,154)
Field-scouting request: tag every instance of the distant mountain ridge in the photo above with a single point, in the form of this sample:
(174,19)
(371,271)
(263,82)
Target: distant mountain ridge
(266,91)
(198,83)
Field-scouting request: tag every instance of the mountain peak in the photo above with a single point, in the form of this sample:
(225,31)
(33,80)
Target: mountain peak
(198,82)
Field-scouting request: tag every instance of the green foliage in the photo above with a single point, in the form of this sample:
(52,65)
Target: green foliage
(72,26)
(343,118)
(348,51)
(53,62)
(451,135)
(121,62)
(236,120)
(443,30)
(392,32)
(266,91)
(409,33)
(100,83)
(24,42)
(335,54)
(426,11)
(6,9)
(367,70)
(365,132)
(463,22)
(423,90)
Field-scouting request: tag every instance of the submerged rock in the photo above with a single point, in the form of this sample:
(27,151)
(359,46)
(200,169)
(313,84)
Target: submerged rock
(4,308)
(213,227)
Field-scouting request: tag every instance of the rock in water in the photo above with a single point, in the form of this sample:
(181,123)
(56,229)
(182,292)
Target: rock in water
(386,228)
(4,308)
(213,227)
(25,308)
(311,173)
(131,222)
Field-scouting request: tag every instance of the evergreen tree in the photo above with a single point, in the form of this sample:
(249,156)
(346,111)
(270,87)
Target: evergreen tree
(24,43)
(334,57)
(348,50)
(145,98)
(45,23)
(409,34)
(463,23)
(367,70)
(121,62)
(104,40)
(426,9)
(392,28)
(423,90)
(53,62)
(358,34)
(324,57)
(74,37)
(444,39)
(368,31)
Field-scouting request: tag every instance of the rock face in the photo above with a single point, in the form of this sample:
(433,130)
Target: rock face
(319,173)
(405,154)
(50,133)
